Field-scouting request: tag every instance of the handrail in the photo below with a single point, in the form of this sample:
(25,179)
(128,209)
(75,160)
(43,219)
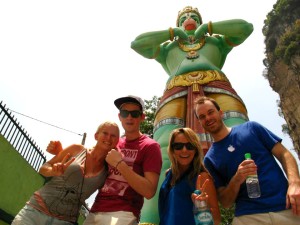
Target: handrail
(19,139)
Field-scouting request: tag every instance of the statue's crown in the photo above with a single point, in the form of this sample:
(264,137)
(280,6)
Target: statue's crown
(188,9)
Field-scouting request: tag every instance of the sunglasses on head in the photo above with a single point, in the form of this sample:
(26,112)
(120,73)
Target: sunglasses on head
(134,113)
(179,146)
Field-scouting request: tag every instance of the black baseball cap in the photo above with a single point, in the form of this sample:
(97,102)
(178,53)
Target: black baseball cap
(129,99)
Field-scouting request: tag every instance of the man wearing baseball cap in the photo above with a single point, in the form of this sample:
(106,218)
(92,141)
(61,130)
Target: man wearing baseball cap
(134,170)
(130,99)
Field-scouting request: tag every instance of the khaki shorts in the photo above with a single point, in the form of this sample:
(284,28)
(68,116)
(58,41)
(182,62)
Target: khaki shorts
(110,218)
(284,217)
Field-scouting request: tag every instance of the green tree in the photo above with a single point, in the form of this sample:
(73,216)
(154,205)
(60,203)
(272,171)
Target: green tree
(150,109)
(227,215)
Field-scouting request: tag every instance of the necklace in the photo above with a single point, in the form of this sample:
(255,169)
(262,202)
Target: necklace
(191,48)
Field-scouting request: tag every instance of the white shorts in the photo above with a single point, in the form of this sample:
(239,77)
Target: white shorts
(110,218)
(31,216)
(274,218)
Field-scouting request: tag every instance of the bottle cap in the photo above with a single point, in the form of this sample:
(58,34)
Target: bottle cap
(197,192)
(248,156)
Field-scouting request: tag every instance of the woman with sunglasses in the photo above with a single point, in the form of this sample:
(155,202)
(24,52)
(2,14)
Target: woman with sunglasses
(186,174)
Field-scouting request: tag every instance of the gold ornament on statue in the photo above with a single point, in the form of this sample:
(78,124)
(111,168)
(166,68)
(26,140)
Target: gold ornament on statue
(192,47)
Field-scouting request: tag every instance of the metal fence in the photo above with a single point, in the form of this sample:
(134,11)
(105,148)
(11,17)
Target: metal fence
(19,139)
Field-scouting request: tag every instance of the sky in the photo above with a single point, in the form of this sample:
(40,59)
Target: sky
(64,62)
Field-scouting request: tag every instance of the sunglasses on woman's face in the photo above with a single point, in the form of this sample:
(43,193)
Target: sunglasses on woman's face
(179,146)
(134,113)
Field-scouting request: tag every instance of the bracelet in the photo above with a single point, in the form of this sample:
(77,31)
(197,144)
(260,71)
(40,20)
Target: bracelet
(171,31)
(209,28)
(118,163)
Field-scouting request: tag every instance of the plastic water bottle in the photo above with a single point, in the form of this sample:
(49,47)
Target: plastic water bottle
(202,214)
(252,183)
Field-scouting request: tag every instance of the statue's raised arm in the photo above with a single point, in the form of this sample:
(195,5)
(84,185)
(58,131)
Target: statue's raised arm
(148,44)
(191,33)
(234,31)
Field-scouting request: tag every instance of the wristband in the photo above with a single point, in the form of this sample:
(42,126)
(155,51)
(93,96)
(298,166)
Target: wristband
(118,163)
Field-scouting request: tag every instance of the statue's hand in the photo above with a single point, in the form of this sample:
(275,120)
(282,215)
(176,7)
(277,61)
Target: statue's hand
(201,31)
(180,33)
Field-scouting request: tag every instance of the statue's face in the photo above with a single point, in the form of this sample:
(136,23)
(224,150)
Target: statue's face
(189,21)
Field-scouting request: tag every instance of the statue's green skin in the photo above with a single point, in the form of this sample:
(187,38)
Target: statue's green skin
(212,56)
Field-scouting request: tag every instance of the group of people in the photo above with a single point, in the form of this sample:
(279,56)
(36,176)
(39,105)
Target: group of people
(222,172)
(126,169)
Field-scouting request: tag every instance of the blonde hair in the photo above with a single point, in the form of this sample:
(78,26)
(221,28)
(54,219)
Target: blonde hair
(197,163)
(107,123)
